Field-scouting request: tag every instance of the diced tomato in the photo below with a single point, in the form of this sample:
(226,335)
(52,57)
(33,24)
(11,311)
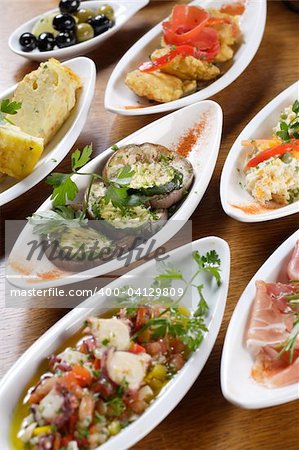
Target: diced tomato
(97,364)
(82,375)
(66,439)
(278,150)
(233,9)
(136,348)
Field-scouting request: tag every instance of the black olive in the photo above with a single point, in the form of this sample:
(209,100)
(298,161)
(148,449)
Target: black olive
(69,6)
(45,42)
(64,22)
(100,24)
(65,39)
(27,42)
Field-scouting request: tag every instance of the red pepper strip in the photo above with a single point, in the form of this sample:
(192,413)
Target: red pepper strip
(274,151)
(136,348)
(183,50)
(233,9)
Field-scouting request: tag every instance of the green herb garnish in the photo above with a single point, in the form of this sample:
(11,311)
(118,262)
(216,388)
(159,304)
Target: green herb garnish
(8,107)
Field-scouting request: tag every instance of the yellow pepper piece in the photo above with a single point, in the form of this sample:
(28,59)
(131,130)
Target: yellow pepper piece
(158,371)
(47,429)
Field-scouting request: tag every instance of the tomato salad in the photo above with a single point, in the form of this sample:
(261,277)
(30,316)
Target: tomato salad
(109,377)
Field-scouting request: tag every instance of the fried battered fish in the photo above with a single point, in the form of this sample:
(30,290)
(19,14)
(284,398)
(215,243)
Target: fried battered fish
(187,67)
(159,86)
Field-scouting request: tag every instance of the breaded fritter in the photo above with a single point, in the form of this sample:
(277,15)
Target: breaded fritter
(228,33)
(158,86)
(187,67)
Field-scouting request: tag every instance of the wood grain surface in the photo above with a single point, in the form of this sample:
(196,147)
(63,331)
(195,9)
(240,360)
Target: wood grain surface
(204,419)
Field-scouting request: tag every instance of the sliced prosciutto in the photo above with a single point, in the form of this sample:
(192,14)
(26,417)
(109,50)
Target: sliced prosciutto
(270,322)
(293,266)
(189,25)
(272,335)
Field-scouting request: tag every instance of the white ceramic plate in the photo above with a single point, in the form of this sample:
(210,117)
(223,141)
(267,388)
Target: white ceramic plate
(63,140)
(123,12)
(118,96)
(237,385)
(166,131)
(15,381)
(232,191)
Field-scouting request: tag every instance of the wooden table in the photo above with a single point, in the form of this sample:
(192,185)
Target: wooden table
(204,419)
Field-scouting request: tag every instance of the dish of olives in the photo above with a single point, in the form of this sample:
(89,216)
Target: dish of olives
(71,25)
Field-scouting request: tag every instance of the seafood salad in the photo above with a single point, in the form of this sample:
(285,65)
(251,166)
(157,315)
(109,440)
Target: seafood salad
(126,201)
(106,375)
(273,332)
(194,47)
(272,165)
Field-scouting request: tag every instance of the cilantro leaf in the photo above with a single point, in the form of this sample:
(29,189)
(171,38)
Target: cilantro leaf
(202,306)
(123,176)
(118,196)
(8,107)
(295,107)
(169,272)
(210,263)
(54,221)
(80,158)
(64,188)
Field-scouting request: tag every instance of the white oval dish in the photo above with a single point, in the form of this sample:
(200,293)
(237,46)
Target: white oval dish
(236,383)
(63,140)
(123,12)
(166,131)
(15,381)
(118,96)
(231,184)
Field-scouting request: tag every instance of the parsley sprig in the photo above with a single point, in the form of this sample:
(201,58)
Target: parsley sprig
(8,107)
(65,189)
(173,320)
(289,130)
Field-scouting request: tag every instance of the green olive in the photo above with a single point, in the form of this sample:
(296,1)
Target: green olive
(106,10)
(84,32)
(84,14)
(44,25)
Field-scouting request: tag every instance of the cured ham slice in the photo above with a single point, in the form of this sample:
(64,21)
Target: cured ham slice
(273,370)
(293,266)
(269,327)
(270,322)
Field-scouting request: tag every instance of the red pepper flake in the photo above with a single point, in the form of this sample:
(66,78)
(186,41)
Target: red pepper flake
(189,139)
(254,208)
(50,275)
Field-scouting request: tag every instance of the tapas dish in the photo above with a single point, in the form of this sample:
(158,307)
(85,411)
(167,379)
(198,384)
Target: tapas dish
(40,121)
(90,396)
(260,358)
(194,53)
(136,190)
(260,177)
(73,29)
